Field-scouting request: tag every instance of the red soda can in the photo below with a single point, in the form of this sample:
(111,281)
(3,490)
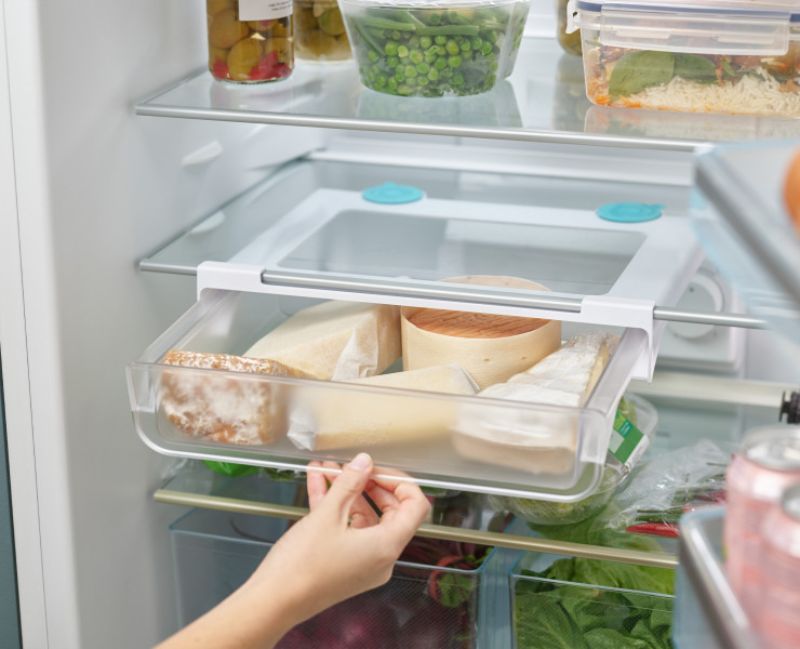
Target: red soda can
(778,618)
(768,463)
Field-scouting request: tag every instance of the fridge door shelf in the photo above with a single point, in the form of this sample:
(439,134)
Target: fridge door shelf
(333,243)
(746,230)
(543,101)
(707,611)
(229,322)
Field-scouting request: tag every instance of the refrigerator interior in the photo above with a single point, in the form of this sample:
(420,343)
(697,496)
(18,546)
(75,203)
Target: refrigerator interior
(97,189)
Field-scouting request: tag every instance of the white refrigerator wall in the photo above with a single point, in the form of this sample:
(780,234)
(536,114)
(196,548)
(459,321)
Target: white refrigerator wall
(92,190)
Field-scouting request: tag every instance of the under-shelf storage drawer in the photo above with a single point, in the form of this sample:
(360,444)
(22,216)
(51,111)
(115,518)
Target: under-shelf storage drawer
(423,605)
(589,603)
(427,424)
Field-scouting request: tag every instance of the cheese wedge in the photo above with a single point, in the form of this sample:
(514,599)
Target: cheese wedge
(540,441)
(335,340)
(491,348)
(222,408)
(333,419)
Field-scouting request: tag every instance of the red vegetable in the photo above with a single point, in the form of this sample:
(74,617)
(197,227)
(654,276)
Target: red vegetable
(655,529)
(361,623)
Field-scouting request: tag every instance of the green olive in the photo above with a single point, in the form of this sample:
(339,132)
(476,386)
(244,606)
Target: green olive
(331,22)
(225,30)
(215,6)
(243,57)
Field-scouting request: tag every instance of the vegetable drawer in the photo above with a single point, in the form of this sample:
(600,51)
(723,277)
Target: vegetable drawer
(588,604)
(423,605)
(430,423)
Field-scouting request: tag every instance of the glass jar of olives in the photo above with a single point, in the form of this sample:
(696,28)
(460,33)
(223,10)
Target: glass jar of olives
(250,41)
(319,31)
(570,43)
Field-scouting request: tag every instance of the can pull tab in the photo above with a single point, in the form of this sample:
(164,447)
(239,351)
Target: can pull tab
(790,407)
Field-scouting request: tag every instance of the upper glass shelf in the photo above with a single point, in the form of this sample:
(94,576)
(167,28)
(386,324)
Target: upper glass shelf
(543,101)
(746,229)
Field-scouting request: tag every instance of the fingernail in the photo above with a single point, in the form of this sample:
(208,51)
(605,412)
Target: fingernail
(361,462)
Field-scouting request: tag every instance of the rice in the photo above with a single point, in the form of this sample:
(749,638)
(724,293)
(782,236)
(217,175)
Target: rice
(758,93)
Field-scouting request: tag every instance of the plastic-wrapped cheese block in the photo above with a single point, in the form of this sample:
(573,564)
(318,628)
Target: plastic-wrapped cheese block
(335,340)
(223,408)
(491,348)
(333,419)
(539,441)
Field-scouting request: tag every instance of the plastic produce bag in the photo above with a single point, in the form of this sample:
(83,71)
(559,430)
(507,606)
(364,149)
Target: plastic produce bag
(667,486)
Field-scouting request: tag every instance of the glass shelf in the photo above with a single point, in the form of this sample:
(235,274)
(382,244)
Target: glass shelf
(747,231)
(543,101)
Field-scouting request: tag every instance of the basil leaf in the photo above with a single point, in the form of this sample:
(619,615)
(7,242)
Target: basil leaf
(638,71)
(695,68)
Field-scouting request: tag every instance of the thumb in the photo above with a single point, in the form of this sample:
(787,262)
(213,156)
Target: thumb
(350,484)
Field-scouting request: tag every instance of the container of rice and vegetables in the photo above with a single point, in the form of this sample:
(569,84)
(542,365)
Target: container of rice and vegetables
(718,56)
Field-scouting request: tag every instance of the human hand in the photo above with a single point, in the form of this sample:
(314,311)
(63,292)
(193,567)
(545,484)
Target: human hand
(342,548)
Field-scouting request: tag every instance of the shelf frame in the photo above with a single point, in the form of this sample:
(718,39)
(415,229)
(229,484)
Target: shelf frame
(441,532)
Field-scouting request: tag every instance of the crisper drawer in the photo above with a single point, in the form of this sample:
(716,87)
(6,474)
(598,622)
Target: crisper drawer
(435,598)
(432,425)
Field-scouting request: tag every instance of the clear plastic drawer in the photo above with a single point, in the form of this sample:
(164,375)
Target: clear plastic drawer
(409,430)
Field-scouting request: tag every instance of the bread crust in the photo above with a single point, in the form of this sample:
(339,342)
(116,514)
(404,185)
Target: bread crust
(222,408)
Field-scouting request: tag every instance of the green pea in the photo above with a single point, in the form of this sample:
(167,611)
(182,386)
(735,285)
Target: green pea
(454,61)
(372,55)
(422,81)
(380,83)
(465,45)
(390,49)
(404,89)
(413,42)
(452,47)
(393,62)
(431,55)
(423,68)
(400,73)
(402,51)
(487,49)
(433,74)
(440,40)
(396,35)
(442,50)
(440,64)
(458,79)
(410,71)
(476,43)
(416,57)
(425,42)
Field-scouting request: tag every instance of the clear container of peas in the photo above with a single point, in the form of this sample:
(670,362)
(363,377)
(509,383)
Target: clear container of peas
(434,48)
(250,41)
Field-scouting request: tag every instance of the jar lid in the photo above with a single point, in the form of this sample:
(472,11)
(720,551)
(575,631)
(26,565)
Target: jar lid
(433,4)
(630,212)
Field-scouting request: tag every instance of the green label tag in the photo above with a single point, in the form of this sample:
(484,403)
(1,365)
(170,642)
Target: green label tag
(627,441)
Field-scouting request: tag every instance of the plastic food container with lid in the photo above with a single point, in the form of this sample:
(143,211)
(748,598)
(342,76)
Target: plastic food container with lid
(250,41)
(724,56)
(434,48)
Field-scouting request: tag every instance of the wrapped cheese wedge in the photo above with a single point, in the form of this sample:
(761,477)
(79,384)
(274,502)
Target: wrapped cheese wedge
(222,408)
(328,419)
(539,441)
(335,340)
(491,348)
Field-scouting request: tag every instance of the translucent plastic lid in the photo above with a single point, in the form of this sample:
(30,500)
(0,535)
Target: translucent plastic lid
(715,27)
(699,6)
(432,4)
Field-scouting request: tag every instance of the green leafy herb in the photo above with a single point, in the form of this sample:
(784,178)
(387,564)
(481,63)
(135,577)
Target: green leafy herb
(695,68)
(610,639)
(639,71)
(454,589)
(542,623)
